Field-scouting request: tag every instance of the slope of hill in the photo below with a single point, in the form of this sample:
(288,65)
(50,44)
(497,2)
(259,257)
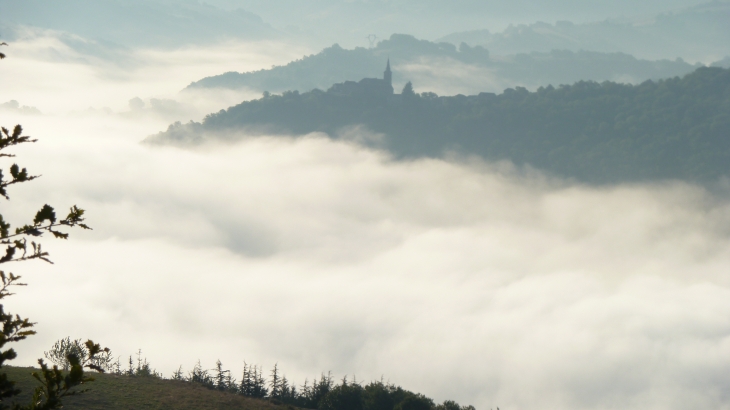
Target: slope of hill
(608,132)
(468,69)
(109,392)
(700,33)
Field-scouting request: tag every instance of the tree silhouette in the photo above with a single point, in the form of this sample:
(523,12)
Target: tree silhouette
(55,384)
(408,91)
(275,382)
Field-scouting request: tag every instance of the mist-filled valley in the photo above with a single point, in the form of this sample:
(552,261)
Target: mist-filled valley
(513,222)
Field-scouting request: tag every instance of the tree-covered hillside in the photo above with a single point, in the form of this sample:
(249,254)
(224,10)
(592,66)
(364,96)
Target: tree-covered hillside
(443,64)
(607,132)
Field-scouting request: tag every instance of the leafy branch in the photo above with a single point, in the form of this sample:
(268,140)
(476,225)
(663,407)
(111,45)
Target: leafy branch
(7,139)
(17,246)
(44,221)
(55,384)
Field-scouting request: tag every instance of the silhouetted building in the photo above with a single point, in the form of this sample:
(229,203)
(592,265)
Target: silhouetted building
(367,86)
(388,75)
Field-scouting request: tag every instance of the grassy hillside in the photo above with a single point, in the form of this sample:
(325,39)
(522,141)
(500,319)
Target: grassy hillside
(109,392)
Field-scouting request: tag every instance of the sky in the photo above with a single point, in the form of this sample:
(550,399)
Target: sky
(457,278)
(426,19)
(315,23)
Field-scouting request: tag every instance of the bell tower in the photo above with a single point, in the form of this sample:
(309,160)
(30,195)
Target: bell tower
(388,75)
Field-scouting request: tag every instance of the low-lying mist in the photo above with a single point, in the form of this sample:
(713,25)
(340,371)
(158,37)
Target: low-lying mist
(460,279)
(58,72)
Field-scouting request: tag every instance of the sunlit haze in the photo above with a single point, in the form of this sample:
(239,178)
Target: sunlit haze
(485,282)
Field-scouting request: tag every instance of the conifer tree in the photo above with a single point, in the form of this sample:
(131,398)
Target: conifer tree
(230,383)
(200,375)
(220,376)
(275,383)
(306,390)
(246,384)
(260,389)
(178,374)
(408,92)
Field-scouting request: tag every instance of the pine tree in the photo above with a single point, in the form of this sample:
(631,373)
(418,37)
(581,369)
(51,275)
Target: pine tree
(245,388)
(306,390)
(318,390)
(260,389)
(200,375)
(130,371)
(178,374)
(230,383)
(275,383)
(220,376)
(408,92)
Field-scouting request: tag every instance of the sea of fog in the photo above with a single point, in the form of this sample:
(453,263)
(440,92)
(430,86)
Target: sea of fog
(460,279)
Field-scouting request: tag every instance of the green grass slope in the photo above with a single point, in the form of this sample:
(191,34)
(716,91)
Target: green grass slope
(109,392)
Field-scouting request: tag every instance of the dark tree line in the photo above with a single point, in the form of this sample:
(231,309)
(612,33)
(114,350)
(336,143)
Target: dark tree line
(326,394)
(677,128)
(322,393)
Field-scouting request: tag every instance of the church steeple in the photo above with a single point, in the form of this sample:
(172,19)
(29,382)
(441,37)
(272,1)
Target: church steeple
(388,75)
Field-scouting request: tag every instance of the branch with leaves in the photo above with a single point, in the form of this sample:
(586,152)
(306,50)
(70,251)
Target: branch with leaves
(55,383)
(44,221)
(17,246)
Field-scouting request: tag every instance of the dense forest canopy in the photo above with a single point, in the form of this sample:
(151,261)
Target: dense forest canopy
(447,63)
(677,128)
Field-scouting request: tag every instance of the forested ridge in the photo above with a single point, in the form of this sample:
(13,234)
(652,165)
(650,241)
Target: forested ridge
(676,128)
(336,64)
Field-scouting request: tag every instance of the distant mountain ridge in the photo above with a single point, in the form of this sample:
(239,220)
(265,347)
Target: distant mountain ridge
(131,23)
(677,128)
(698,33)
(349,22)
(430,63)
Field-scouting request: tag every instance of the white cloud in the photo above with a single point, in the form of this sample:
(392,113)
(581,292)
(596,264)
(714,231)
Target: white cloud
(58,77)
(446,76)
(456,278)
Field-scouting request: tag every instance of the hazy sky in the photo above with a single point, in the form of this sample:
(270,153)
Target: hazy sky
(318,23)
(459,279)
